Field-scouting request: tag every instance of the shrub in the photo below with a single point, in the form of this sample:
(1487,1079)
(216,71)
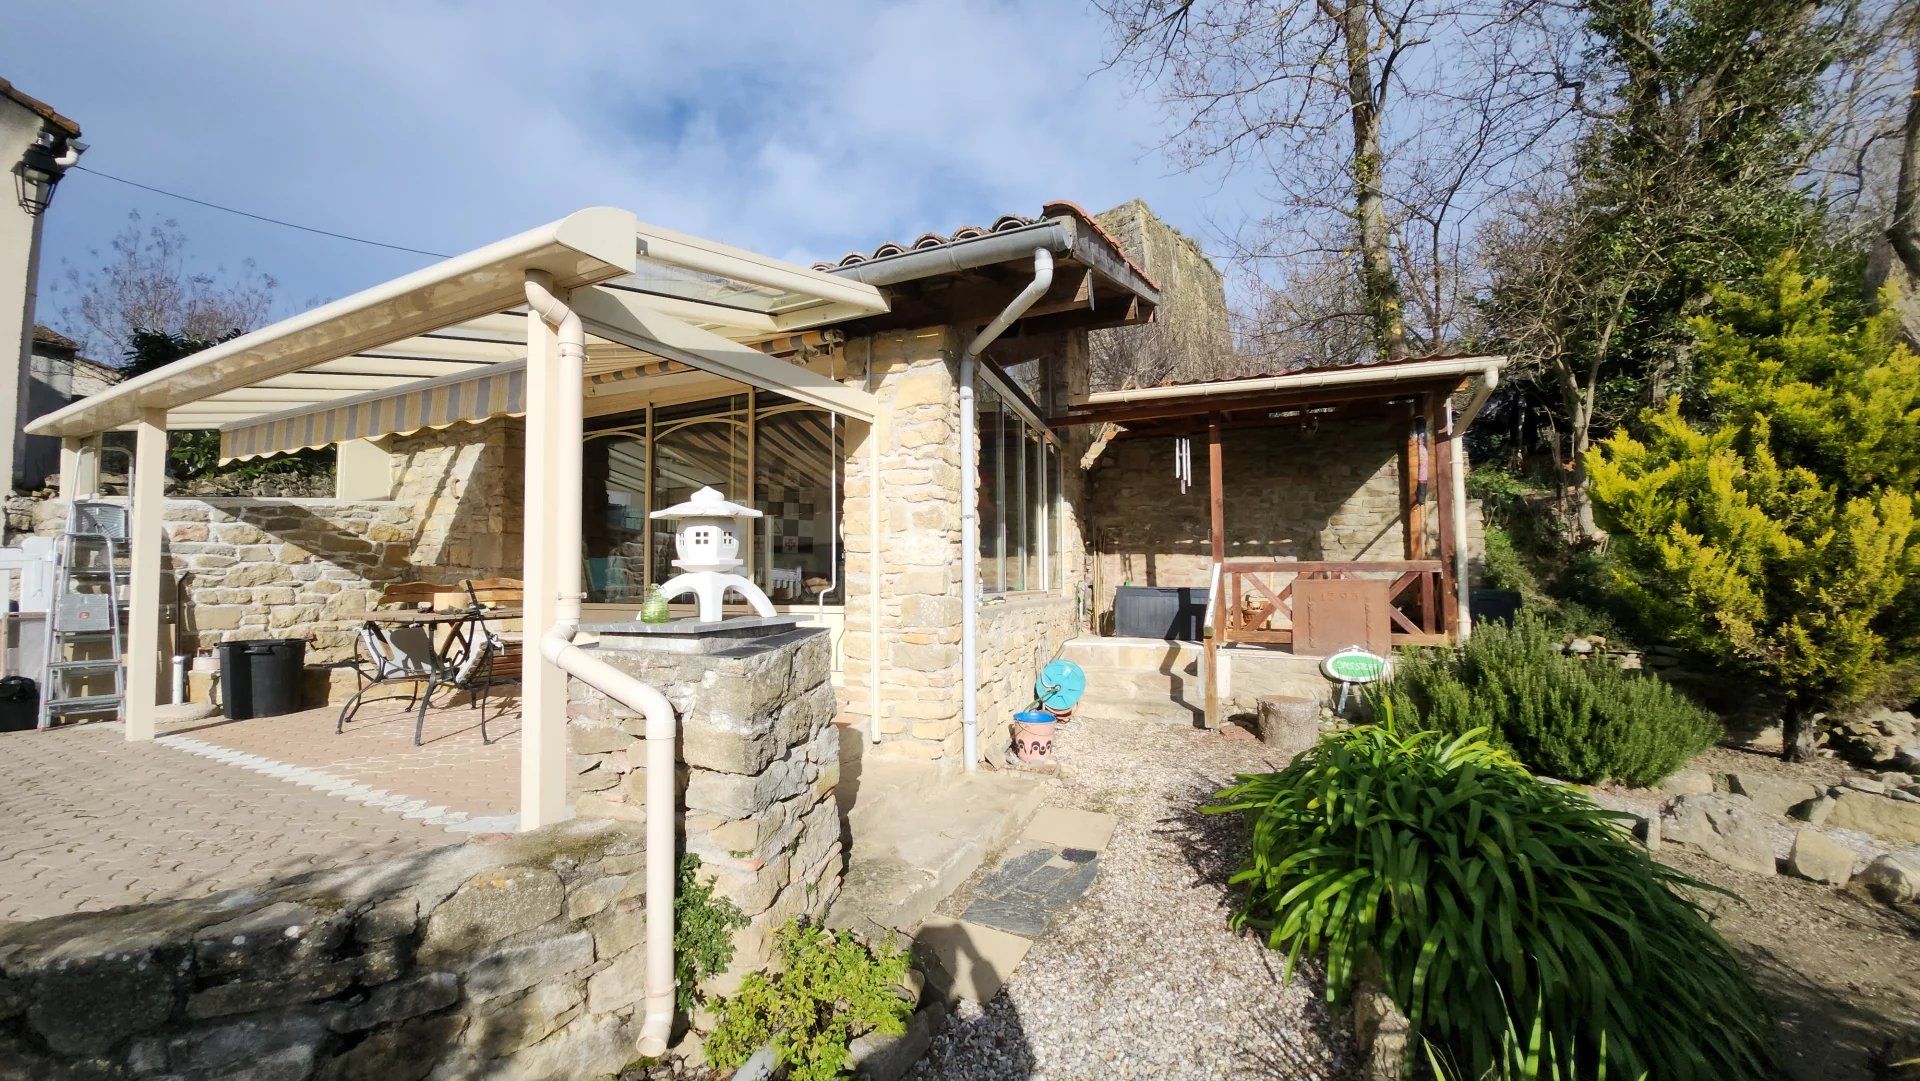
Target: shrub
(1520,930)
(825,990)
(703,927)
(1575,719)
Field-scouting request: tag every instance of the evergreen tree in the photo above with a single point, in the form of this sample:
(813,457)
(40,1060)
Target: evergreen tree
(1775,532)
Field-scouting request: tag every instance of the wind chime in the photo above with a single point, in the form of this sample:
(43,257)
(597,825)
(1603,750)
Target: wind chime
(1183,462)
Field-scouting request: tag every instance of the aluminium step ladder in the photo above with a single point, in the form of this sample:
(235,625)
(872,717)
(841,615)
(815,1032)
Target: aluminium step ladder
(85,643)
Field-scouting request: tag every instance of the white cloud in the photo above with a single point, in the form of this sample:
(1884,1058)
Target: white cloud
(800,130)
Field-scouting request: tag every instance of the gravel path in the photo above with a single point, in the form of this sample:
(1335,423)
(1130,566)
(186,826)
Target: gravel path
(1142,978)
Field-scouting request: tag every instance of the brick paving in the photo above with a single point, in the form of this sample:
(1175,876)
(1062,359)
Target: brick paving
(452,769)
(93,821)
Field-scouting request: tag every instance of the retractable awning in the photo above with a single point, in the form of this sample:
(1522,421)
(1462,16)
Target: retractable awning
(448,343)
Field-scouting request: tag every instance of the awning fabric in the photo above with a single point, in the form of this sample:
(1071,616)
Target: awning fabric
(495,390)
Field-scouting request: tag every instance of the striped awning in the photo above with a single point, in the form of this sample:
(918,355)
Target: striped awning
(493,390)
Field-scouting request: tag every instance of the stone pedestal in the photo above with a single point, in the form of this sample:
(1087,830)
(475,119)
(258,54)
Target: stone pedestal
(1289,724)
(759,761)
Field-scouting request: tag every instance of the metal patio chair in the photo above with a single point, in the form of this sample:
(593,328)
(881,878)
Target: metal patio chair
(400,652)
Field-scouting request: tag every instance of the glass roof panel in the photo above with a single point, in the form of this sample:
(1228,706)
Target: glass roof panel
(661,279)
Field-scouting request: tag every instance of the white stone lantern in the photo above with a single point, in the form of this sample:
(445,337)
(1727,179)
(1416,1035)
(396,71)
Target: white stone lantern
(707,540)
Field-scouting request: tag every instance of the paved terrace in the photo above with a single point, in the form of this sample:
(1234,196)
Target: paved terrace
(94,822)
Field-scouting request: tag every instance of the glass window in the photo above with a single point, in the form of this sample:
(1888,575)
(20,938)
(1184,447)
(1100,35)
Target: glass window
(987,410)
(1036,524)
(614,475)
(1056,521)
(797,482)
(1013,479)
(703,444)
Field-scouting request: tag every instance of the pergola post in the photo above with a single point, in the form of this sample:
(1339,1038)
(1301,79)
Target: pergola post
(1446,453)
(543,687)
(1217,600)
(79,466)
(148,495)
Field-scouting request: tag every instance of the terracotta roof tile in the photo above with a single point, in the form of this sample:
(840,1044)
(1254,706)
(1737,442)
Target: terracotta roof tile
(1054,209)
(44,333)
(39,108)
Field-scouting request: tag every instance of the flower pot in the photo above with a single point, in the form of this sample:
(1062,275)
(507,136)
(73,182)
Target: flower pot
(1033,735)
(1060,714)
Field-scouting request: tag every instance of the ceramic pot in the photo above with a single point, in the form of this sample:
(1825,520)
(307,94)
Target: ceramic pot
(1033,736)
(1061,716)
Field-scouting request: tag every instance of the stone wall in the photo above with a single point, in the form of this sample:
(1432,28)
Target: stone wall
(1330,494)
(522,957)
(464,488)
(914,376)
(761,763)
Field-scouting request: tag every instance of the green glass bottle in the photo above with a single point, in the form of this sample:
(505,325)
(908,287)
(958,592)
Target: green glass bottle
(654,609)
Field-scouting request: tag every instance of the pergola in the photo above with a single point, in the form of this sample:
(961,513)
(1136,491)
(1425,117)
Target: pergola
(455,342)
(1418,393)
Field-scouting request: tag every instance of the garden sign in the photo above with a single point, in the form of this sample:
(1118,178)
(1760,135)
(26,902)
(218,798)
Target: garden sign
(1354,665)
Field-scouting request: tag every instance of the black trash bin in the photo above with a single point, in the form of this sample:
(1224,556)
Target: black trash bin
(1173,613)
(261,677)
(19,704)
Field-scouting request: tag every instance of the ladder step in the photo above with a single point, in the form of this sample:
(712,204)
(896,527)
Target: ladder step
(88,704)
(83,634)
(82,666)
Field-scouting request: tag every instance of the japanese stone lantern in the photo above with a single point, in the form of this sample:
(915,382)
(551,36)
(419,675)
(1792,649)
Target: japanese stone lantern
(707,541)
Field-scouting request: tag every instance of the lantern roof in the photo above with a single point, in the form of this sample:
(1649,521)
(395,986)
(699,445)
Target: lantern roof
(706,503)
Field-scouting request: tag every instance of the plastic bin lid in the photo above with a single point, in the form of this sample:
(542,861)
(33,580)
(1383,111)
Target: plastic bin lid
(1061,684)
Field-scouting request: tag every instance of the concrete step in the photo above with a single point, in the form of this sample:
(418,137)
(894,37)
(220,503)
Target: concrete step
(1165,710)
(1133,654)
(918,834)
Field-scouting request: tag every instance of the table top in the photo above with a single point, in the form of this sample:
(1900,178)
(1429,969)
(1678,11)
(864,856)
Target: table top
(402,615)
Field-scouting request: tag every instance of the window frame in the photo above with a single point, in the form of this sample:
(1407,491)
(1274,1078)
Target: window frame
(1035,433)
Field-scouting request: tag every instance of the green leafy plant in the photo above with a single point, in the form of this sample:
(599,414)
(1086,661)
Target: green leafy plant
(825,990)
(1575,719)
(1518,927)
(703,927)
(1780,539)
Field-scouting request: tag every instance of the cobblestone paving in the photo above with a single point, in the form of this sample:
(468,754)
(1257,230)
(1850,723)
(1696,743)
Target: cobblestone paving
(452,768)
(93,821)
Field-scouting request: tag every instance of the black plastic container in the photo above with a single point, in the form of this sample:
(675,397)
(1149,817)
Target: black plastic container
(1173,613)
(261,677)
(19,704)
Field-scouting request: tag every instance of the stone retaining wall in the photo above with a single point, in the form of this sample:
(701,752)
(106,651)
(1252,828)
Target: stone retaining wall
(760,762)
(519,958)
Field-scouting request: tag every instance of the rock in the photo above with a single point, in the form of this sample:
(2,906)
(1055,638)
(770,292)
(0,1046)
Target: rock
(517,967)
(400,1000)
(1772,793)
(280,939)
(526,1020)
(235,1045)
(620,984)
(1867,785)
(404,1053)
(1899,1058)
(1907,757)
(1815,812)
(1894,877)
(489,907)
(86,1006)
(1820,858)
(1892,819)
(1723,828)
(874,1057)
(1688,782)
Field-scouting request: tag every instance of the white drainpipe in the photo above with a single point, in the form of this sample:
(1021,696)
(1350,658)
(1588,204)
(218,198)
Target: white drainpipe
(1457,432)
(557,646)
(970,502)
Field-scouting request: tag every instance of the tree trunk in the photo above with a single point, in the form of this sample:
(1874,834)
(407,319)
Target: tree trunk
(1904,233)
(1377,281)
(1798,732)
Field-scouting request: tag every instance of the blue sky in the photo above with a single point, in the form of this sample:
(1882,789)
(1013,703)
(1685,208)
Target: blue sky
(800,130)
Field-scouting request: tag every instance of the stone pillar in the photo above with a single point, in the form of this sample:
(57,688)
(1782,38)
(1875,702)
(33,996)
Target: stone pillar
(759,758)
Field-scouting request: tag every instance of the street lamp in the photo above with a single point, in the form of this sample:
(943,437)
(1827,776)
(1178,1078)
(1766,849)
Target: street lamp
(39,170)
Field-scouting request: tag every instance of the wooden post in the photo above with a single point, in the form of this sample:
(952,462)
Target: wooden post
(145,533)
(1446,455)
(1416,482)
(1217,535)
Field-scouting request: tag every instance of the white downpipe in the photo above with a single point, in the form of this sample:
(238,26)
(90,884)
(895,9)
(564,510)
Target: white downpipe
(557,646)
(1457,432)
(970,504)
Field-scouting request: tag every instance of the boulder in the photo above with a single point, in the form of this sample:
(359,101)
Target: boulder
(1894,877)
(1688,782)
(1820,858)
(1906,757)
(1895,820)
(1773,793)
(1723,828)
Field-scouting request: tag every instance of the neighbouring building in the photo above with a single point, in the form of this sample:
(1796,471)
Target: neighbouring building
(37,144)
(57,375)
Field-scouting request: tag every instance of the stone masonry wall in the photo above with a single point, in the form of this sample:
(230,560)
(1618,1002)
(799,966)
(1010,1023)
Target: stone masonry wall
(1331,494)
(761,761)
(517,958)
(915,377)
(464,488)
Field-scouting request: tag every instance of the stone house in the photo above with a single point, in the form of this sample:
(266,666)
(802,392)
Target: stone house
(842,419)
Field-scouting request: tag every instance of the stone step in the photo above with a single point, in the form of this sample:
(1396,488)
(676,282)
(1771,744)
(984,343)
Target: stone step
(1141,709)
(1134,654)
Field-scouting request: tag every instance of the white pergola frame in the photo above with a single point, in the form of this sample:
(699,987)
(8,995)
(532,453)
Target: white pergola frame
(643,294)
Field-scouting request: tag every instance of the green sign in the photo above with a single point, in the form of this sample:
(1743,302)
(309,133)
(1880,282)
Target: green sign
(1355,665)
